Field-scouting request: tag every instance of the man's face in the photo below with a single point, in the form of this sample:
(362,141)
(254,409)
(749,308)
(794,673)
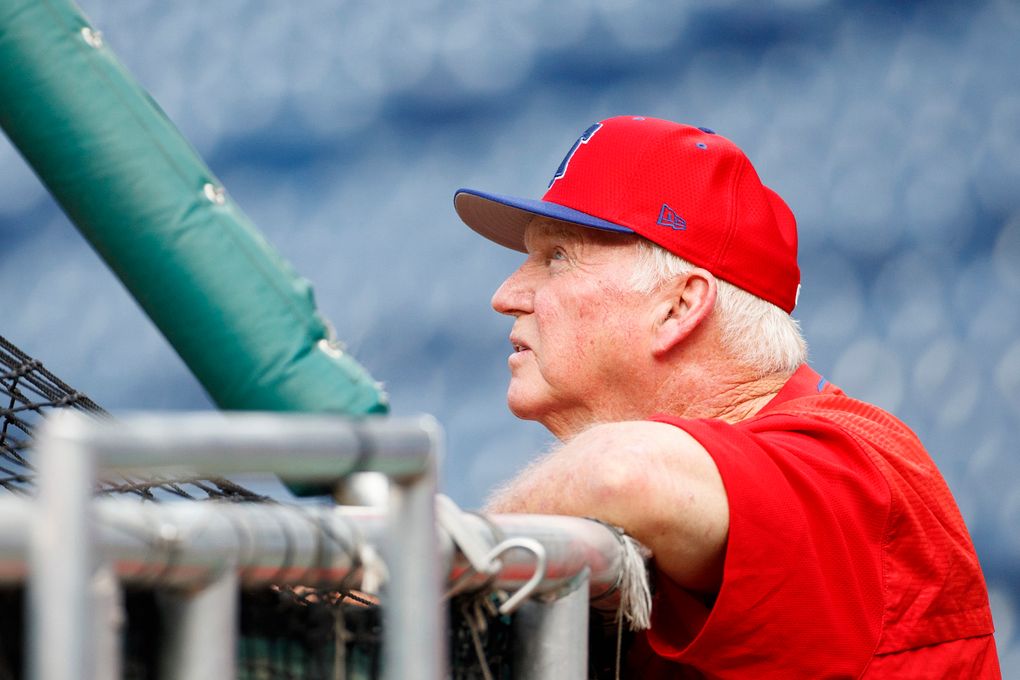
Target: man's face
(580,332)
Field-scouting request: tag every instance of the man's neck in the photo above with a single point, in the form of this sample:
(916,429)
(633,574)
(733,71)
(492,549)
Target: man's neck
(731,397)
(746,400)
(704,395)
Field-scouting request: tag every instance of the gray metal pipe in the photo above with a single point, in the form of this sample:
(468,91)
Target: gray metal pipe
(109,617)
(299,446)
(182,543)
(413,615)
(572,545)
(62,561)
(16,518)
(551,636)
(202,630)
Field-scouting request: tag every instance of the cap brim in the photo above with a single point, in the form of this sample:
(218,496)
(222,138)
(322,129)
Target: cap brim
(502,219)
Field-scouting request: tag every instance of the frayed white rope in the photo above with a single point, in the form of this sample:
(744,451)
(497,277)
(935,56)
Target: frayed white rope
(635,590)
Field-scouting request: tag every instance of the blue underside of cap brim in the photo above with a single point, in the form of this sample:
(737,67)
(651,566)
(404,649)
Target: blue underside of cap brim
(503,218)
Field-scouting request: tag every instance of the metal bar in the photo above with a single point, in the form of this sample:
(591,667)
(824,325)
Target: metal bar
(109,623)
(572,545)
(551,636)
(299,446)
(61,558)
(201,641)
(17,518)
(182,544)
(363,489)
(415,642)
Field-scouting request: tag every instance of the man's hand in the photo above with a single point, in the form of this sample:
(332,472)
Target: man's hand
(652,479)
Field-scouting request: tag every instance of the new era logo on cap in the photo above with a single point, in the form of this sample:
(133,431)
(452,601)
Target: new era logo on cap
(688,189)
(669,218)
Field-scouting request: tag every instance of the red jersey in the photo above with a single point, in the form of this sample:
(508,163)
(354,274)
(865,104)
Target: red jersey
(846,557)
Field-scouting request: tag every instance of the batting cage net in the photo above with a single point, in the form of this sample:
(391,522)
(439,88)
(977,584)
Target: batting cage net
(286,632)
(28,391)
(286,635)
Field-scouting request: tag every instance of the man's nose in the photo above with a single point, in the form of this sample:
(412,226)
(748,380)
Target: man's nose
(514,296)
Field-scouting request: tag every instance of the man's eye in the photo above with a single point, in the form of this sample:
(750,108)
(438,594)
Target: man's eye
(558,254)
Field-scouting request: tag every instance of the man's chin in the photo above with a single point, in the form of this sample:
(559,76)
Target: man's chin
(525,407)
(541,413)
(521,411)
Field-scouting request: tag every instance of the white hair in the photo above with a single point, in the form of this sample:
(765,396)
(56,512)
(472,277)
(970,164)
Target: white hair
(755,332)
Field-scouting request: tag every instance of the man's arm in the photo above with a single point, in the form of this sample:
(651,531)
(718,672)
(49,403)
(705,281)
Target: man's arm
(652,479)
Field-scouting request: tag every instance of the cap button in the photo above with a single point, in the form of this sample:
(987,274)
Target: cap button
(706,130)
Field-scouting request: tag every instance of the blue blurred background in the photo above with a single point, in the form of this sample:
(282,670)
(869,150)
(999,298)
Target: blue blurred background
(343,128)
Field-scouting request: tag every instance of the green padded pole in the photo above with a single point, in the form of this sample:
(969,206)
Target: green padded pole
(237,314)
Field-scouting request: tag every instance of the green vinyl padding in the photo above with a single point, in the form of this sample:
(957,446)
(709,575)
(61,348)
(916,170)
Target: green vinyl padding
(238,315)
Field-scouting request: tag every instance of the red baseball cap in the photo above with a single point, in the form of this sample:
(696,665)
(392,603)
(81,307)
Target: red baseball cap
(689,190)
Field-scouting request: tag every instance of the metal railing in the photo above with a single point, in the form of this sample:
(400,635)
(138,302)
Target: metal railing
(76,551)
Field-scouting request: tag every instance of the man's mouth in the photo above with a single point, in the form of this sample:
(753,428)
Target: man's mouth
(518,345)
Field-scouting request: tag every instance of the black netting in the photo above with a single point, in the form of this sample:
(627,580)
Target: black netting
(28,392)
(284,636)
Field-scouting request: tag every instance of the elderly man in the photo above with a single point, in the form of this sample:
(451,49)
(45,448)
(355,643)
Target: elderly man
(795,531)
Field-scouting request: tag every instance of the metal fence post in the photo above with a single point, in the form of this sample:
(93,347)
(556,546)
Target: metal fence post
(201,631)
(109,616)
(414,646)
(62,558)
(552,636)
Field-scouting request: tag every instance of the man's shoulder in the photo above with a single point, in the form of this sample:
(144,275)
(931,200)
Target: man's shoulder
(922,513)
(871,426)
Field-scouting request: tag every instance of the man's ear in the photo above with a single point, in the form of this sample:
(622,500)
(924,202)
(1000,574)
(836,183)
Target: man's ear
(685,302)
